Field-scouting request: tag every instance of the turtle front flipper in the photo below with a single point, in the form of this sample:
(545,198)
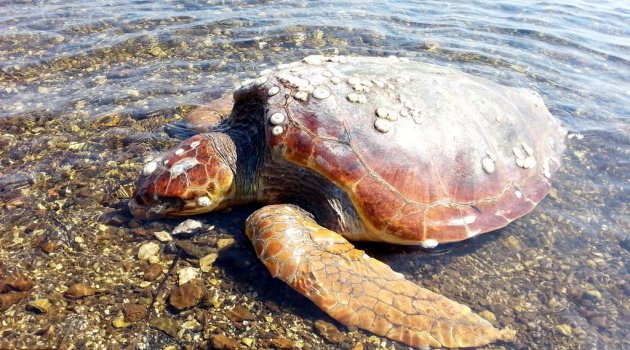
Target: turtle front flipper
(359,291)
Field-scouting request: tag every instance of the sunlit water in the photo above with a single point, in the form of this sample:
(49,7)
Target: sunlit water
(84,59)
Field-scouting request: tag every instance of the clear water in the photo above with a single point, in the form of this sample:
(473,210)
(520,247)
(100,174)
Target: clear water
(80,60)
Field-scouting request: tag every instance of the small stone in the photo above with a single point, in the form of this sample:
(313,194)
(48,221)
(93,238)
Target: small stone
(488,315)
(16,282)
(357,346)
(329,331)
(119,321)
(186,274)
(314,59)
(205,263)
(191,248)
(162,236)
(79,290)
(187,295)
(593,294)
(188,227)
(41,306)
(152,272)
(166,324)
(50,245)
(564,329)
(148,250)
(282,343)
(8,299)
(248,341)
(134,312)
(239,314)
(221,342)
(223,243)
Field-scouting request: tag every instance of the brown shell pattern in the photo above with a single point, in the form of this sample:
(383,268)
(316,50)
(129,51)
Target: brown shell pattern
(426,153)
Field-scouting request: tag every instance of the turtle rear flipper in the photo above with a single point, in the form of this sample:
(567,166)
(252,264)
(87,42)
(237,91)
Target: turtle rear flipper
(359,291)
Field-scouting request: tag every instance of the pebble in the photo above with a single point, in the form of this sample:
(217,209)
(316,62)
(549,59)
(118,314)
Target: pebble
(282,343)
(17,282)
(357,346)
(8,299)
(79,290)
(187,295)
(329,331)
(162,236)
(41,306)
(205,263)
(119,321)
(191,249)
(248,341)
(186,274)
(488,315)
(222,342)
(165,324)
(223,243)
(564,329)
(189,226)
(134,312)
(148,250)
(151,272)
(593,294)
(239,314)
(50,245)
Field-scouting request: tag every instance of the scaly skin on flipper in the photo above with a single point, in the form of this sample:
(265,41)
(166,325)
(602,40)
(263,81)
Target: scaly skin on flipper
(359,291)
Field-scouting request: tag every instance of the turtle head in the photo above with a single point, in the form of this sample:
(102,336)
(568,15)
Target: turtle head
(196,177)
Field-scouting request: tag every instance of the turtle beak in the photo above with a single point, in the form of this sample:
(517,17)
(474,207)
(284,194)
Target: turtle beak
(163,208)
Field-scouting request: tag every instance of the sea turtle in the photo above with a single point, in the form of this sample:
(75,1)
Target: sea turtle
(366,149)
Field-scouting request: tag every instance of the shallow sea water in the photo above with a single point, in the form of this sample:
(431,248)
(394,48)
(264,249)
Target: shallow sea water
(87,86)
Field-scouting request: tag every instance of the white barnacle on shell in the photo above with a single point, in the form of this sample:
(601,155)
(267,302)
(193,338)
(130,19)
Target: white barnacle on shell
(527,149)
(354,81)
(204,201)
(247,82)
(382,125)
(356,98)
(546,170)
(321,93)
(518,194)
(277,118)
(183,166)
(314,59)
(488,165)
(261,80)
(179,152)
(429,243)
(194,144)
(335,80)
(301,95)
(277,130)
(149,168)
(273,91)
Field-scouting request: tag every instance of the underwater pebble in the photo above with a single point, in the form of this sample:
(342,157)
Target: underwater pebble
(329,332)
(186,274)
(41,306)
(205,263)
(187,227)
(79,290)
(187,295)
(162,236)
(148,250)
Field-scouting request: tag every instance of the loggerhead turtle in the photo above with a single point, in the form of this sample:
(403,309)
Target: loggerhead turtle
(366,149)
